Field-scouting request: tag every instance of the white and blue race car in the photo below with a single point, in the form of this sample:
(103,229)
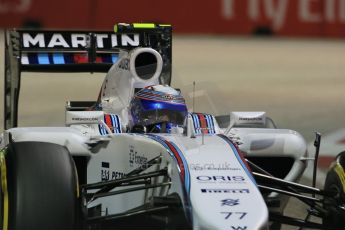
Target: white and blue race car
(137,157)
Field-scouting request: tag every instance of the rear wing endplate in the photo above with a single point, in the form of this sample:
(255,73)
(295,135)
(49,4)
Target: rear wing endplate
(75,51)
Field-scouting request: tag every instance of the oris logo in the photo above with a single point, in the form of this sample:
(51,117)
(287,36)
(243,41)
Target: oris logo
(221,179)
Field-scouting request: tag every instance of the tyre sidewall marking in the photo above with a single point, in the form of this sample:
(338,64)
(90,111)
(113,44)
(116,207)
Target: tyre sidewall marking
(341,174)
(4,188)
(77,181)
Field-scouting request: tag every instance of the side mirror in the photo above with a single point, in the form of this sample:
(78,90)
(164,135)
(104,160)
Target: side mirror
(246,120)
(190,127)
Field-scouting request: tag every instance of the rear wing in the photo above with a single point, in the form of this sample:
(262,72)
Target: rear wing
(75,51)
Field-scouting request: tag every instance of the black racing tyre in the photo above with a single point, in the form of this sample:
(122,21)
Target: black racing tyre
(335,183)
(39,187)
(275,226)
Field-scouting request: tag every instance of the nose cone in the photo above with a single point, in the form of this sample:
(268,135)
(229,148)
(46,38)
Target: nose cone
(223,193)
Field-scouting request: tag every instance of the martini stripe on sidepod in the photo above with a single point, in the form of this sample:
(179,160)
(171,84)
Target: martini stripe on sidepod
(102,130)
(196,124)
(211,124)
(108,121)
(116,123)
(113,122)
(203,123)
(118,127)
(239,157)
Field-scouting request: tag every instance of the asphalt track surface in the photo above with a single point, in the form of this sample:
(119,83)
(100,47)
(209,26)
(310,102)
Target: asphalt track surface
(300,83)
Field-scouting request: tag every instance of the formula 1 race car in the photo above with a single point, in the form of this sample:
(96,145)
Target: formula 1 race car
(137,156)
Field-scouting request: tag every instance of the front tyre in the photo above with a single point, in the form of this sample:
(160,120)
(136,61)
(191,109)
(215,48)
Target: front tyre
(39,187)
(335,184)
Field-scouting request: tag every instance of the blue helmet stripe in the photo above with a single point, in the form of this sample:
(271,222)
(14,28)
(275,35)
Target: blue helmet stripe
(153,105)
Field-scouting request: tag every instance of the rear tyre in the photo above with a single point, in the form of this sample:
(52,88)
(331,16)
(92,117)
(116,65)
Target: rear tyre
(335,183)
(39,187)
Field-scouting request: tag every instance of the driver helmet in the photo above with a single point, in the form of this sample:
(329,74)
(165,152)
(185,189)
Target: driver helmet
(158,108)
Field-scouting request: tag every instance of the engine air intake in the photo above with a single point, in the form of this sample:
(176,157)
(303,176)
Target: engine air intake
(145,65)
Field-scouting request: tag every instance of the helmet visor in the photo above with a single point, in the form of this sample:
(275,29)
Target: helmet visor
(154,112)
(164,115)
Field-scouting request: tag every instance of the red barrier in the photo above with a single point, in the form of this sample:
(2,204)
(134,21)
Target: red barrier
(322,18)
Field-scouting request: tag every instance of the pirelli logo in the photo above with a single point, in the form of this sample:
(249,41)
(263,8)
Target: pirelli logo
(214,190)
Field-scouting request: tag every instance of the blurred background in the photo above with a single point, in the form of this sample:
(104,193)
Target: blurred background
(321,18)
(285,57)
